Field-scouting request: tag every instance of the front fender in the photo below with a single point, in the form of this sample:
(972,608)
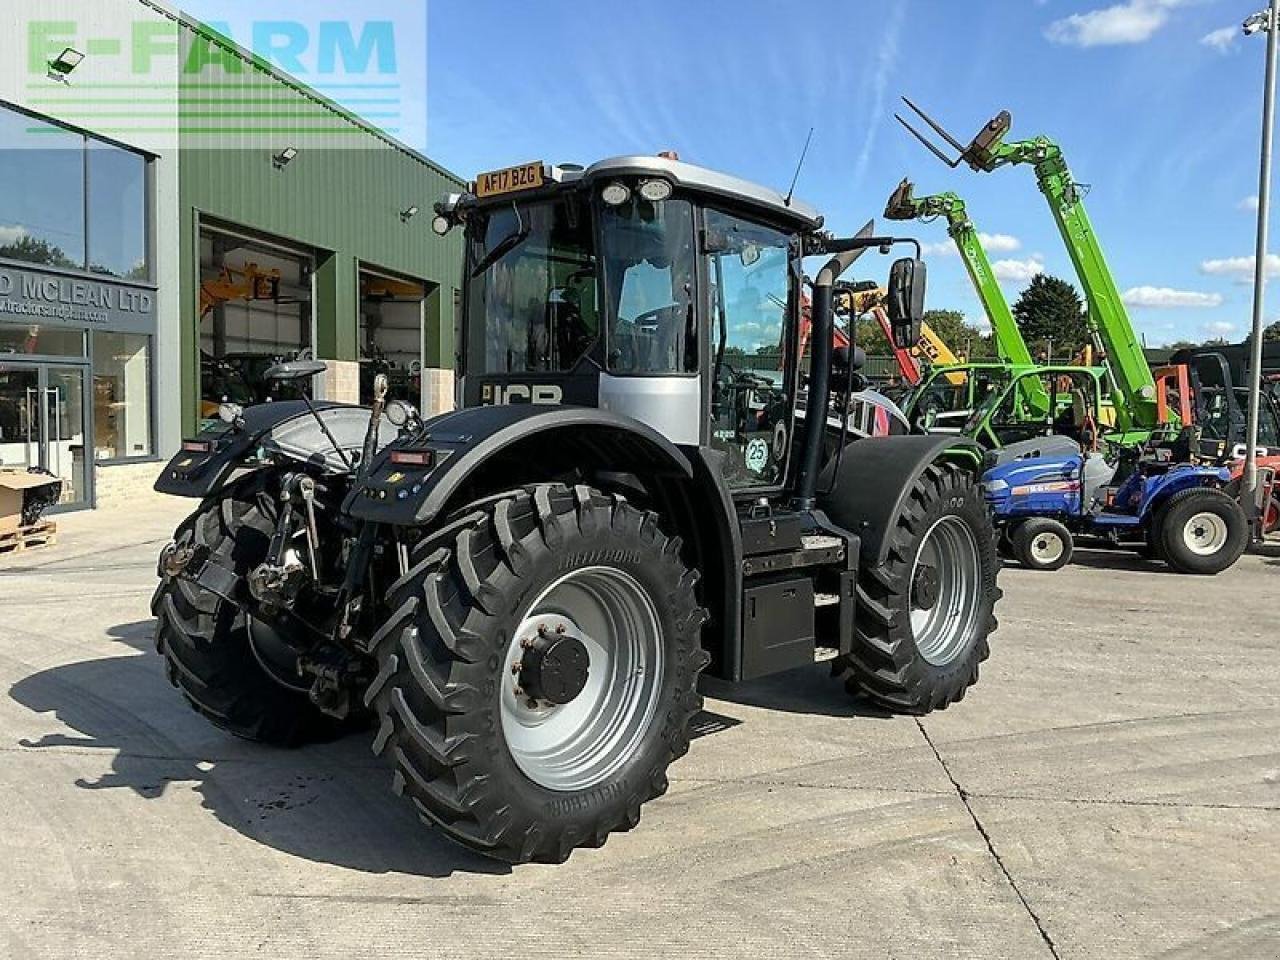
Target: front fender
(460,443)
(875,478)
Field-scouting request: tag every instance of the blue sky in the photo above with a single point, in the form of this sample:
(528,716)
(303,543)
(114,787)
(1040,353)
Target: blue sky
(1156,103)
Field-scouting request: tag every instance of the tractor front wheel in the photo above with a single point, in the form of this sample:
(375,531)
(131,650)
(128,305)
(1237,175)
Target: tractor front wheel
(1201,531)
(539,673)
(1042,543)
(924,615)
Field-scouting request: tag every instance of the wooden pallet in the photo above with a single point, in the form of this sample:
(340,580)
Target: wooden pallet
(43,534)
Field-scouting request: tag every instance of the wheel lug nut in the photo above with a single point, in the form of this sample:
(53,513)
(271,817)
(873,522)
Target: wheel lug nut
(519,692)
(516,668)
(560,629)
(531,703)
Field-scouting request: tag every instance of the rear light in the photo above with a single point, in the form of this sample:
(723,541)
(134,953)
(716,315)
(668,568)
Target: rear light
(412,458)
(196,446)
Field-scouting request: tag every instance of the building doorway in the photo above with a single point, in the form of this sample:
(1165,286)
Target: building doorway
(255,311)
(44,424)
(391,315)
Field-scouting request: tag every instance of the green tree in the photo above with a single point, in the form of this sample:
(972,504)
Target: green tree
(1272,332)
(1051,309)
(964,339)
(36,251)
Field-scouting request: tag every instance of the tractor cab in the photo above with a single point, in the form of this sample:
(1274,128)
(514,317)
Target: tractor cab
(649,287)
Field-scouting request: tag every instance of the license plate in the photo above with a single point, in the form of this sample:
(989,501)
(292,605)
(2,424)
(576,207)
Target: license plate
(526,176)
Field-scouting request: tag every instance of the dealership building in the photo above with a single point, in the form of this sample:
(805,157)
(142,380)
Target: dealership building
(175,216)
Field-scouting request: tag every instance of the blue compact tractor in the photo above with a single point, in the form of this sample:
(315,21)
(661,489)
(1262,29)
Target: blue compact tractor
(1044,493)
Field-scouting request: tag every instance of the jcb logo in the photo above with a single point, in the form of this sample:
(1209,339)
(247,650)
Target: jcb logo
(495,394)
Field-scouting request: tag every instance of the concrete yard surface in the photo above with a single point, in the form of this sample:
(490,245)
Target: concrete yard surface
(1110,789)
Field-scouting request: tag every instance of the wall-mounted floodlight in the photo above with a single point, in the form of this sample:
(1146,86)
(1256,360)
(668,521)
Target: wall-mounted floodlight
(284,158)
(60,67)
(408,214)
(1256,22)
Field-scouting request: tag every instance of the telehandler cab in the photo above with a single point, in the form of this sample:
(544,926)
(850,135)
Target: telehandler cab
(520,594)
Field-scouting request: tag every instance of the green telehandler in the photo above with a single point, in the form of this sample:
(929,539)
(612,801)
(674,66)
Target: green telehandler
(1139,407)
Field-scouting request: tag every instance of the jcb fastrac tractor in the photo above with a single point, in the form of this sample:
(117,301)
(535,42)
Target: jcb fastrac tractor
(518,596)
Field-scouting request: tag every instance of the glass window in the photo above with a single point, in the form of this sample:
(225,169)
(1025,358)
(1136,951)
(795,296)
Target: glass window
(649,274)
(121,395)
(23,338)
(532,300)
(42,203)
(749,268)
(117,212)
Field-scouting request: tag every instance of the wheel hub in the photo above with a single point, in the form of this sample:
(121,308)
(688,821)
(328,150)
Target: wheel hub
(554,666)
(925,588)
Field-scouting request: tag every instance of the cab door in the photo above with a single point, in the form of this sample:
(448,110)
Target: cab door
(748,270)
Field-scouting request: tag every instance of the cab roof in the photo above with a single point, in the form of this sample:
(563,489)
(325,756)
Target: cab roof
(702,180)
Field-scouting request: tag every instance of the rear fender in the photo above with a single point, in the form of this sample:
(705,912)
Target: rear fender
(875,478)
(1159,488)
(547,442)
(206,462)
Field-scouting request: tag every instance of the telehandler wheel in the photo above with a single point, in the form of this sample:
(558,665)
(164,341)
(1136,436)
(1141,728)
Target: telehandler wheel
(923,617)
(1201,531)
(228,665)
(539,673)
(1042,543)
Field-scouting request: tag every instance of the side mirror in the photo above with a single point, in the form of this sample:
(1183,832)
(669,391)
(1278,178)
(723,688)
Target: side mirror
(906,301)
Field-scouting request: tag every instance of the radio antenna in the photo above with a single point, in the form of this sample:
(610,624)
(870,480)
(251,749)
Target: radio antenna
(792,189)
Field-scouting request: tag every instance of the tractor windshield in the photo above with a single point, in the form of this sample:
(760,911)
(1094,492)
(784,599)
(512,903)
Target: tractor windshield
(532,302)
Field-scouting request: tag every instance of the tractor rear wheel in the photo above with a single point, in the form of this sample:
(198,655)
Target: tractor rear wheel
(1201,531)
(924,615)
(1042,543)
(539,673)
(235,670)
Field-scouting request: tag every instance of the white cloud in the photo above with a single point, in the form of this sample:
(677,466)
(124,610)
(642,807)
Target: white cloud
(1249,203)
(1000,242)
(1168,297)
(11,233)
(1133,21)
(1219,328)
(992,242)
(1239,268)
(1017,271)
(1222,39)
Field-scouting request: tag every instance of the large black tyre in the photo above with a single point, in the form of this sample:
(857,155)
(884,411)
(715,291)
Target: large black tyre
(906,658)
(1042,543)
(1201,531)
(454,721)
(204,638)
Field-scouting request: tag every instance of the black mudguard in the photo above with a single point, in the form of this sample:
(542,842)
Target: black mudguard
(205,462)
(454,445)
(875,477)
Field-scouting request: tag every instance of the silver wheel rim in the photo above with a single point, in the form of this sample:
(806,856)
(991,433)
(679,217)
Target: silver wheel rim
(944,629)
(1205,534)
(576,745)
(1047,548)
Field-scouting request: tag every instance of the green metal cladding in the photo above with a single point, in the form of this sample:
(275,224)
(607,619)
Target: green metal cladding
(342,195)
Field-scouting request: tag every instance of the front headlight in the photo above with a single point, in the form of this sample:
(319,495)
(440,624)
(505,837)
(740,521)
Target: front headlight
(995,486)
(230,412)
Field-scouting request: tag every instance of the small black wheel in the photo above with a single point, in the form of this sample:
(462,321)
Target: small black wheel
(1201,531)
(231,667)
(1042,543)
(539,673)
(923,617)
